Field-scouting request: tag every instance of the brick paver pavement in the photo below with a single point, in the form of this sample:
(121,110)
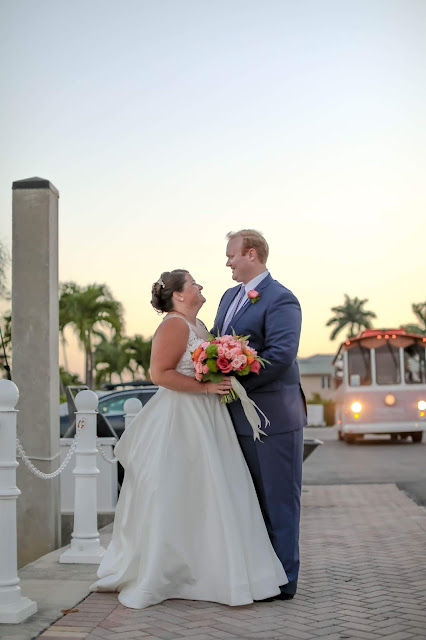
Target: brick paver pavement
(363,577)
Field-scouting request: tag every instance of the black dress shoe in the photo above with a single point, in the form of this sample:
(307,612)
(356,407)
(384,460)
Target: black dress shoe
(285,596)
(280,596)
(267,599)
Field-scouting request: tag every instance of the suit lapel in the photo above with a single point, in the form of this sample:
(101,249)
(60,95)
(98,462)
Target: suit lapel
(261,287)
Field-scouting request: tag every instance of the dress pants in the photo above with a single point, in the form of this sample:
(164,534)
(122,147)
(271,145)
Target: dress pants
(276,468)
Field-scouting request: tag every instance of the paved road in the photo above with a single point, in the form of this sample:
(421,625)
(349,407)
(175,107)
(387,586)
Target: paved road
(363,568)
(373,460)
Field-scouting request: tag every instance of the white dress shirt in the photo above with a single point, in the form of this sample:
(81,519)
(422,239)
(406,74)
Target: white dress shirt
(238,302)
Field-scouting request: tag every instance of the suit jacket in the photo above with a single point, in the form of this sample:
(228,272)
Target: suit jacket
(273,324)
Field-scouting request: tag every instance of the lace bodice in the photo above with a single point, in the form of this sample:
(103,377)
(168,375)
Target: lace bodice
(196,336)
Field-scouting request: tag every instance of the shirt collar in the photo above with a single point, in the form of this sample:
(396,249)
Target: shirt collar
(256,281)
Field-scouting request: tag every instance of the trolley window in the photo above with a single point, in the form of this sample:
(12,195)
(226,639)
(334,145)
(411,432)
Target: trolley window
(415,364)
(387,365)
(359,366)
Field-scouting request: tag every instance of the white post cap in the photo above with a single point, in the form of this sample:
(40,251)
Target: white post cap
(9,395)
(86,401)
(132,406)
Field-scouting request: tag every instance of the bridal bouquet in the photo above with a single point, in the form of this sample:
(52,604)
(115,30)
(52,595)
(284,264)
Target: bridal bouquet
(230,355)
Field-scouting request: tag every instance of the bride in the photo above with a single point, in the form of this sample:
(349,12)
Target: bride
(188,523)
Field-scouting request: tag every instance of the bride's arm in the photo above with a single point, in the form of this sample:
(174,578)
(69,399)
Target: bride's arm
(168,346)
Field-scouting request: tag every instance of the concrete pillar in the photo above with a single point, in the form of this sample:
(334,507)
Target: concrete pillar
(35,366)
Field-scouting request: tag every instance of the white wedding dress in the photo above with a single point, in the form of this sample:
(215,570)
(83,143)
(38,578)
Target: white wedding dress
(188,523)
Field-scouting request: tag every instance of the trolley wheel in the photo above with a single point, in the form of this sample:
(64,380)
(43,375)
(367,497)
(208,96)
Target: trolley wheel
(417,436)
(340,435)
(394,436)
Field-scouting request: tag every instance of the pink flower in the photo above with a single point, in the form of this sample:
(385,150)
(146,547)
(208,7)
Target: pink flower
(239,362)
(202,356)
(224,365)
(220,350)
(199,376)
(204,344)
(205,368)
(253,295)
(255,366)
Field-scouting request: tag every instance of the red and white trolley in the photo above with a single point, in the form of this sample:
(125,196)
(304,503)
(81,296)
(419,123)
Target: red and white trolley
(381,385)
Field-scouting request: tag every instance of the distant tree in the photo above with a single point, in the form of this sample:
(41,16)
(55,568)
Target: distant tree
(419,310)
(140,350)
(5,344)
(115,356)
(4,262)
(86,310)
(350,315)
(68,378)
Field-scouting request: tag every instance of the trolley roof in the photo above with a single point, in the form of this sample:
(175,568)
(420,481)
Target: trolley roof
(375,338)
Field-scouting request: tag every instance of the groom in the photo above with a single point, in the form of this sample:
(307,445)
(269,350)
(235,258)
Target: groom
(272,319)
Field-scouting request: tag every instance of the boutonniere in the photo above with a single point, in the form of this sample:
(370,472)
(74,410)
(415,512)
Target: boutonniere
(253,296)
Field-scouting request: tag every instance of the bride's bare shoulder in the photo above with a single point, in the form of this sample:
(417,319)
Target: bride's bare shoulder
(172,327)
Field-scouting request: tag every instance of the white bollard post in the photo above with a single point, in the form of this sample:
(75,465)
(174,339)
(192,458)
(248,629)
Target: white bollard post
(132,406)
(13,607)
(85,545)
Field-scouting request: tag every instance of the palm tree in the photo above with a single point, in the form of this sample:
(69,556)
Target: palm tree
(65,318)
(140,351)
(86,309)
(350,313)
(115,356)
(419,310)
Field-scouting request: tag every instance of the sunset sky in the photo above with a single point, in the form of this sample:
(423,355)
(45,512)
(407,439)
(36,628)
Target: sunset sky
(164,124)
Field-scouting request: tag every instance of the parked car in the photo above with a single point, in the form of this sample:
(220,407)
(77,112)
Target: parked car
(64,419)
(111,406)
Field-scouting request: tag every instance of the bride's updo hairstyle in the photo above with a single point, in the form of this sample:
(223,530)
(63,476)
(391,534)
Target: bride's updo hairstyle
(162,290)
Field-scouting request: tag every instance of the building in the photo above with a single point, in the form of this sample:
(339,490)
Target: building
(317,376)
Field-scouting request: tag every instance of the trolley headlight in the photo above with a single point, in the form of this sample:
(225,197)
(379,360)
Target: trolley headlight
(390,400)
(421,405)
(356,407)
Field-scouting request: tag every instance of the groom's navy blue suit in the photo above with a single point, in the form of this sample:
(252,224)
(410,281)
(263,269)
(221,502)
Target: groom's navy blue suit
(274,324)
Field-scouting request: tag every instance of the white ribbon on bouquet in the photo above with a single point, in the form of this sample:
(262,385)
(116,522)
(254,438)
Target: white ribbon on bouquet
(250,409)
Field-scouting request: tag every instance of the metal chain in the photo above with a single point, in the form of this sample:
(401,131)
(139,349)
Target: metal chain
(48,476)
(103,454)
